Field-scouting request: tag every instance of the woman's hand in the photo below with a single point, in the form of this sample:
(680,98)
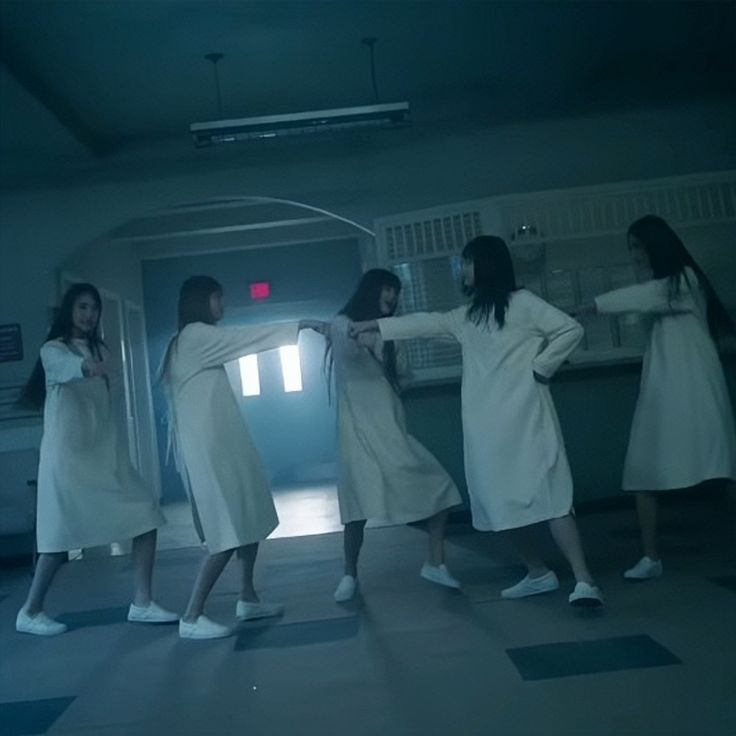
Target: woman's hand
(94,368)
(357,328)
(315,324)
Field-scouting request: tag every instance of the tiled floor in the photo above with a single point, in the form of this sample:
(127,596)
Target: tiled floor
(407,657)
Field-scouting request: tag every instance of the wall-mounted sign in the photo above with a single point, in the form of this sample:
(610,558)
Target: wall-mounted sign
(11,343)
(260,290)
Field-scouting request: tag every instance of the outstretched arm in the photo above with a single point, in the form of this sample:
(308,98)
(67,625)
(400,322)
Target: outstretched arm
(408,326)
(419,324)
(650,297)
(62,365)
(358,328)
(219,345)
(323,328)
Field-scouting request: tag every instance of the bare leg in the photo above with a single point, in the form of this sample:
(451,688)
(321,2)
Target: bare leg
(144,551)
(646,509)
(565,533)
(525,543)
(436,529)
(211,569)
(47,566)
(352,543)
(247,556)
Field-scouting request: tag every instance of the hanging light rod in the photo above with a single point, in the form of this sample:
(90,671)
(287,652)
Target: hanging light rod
(215,57)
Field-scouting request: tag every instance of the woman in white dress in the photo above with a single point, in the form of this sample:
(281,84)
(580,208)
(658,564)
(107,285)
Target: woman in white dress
(683,428)
(88,492)
(515,464)
(384,473)
(220,467)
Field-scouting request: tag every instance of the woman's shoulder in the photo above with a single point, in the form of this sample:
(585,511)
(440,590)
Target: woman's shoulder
(524,298)
(195,331)
(55,345)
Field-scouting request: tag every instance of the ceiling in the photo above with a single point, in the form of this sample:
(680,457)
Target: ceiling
(89,77)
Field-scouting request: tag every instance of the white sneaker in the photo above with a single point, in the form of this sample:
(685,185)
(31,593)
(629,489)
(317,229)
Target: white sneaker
(40,624)
(151,614)
(532,586)
(645,569)
(585,594)
(248,610)
(346,589)
(203,628)
(439,574)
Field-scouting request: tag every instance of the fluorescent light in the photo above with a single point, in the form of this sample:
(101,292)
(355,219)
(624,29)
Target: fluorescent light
(250,382)
(291,368)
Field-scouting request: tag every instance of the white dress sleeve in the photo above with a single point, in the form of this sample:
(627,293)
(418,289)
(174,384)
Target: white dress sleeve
(561,333)
(216,346)
(650,297)
(61,364)
(419,324)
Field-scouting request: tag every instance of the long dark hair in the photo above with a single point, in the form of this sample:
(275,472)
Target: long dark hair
(364,305)
(193,306)
(494,279)
(668,258)
(33,394)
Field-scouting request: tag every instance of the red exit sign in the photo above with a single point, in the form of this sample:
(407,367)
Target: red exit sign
(260,290)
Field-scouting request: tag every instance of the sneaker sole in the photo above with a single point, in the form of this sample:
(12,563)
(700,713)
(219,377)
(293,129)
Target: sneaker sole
(515,597)
(41,633)
(205,638)
(257,616)
(347,599)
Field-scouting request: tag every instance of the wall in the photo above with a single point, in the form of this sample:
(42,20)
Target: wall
(47,216)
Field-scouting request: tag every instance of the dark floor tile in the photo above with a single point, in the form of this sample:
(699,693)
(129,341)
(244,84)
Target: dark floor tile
(297,634)
(95,617)
(31,716)
(726,581)
(564,659)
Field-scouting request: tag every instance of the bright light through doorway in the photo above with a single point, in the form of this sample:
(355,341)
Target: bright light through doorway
(291,368)
(250,381)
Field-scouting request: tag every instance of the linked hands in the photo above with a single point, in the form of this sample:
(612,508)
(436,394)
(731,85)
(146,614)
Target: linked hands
(323,328)
(92,368)
(358,328)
